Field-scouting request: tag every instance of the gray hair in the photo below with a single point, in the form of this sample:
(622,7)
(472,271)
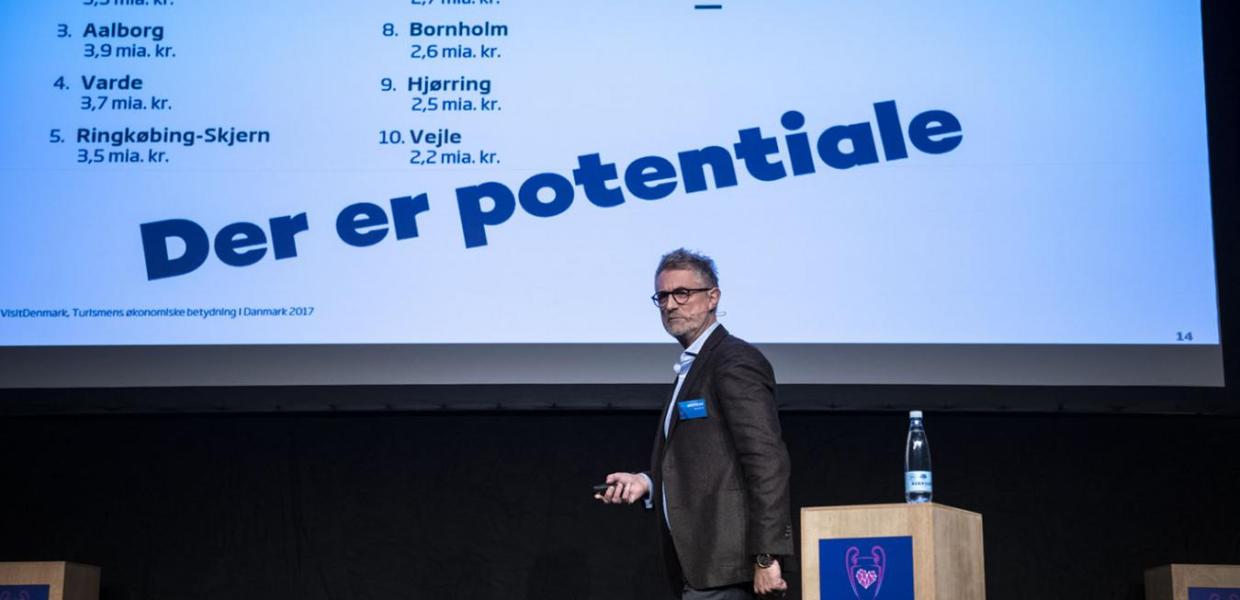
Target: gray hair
(681,258)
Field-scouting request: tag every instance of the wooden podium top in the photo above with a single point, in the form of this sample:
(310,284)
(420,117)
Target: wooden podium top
(891,506)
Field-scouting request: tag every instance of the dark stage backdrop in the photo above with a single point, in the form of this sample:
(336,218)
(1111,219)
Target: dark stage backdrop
(496,505)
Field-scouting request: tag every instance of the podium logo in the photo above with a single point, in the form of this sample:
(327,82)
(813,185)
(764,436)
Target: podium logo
(24,592)
(865,571)
(873,568)
(1196,593)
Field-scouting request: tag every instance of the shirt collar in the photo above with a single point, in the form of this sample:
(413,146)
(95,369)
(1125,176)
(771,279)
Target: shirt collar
(686,357)
(696,347)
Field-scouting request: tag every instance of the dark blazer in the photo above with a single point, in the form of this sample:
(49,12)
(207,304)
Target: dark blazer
(726,475)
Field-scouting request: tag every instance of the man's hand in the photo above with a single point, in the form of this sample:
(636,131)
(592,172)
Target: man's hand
(769,581)
(623,488)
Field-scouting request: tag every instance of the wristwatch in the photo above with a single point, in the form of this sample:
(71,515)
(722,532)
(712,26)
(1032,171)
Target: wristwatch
(763,560)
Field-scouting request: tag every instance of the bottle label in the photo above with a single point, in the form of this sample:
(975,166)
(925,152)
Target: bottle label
(918,482)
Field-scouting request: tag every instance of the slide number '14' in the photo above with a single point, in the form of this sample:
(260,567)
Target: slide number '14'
(1183,336)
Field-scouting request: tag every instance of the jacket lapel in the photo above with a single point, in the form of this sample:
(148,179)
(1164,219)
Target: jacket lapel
(697,372)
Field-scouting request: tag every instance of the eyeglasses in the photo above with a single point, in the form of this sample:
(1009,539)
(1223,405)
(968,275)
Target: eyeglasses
(680,294)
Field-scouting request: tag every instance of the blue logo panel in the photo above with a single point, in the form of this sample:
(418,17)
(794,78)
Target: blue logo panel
(866,568)
(1198,593)
(24,592)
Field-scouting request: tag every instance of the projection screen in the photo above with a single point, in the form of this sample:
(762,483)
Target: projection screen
(237,193)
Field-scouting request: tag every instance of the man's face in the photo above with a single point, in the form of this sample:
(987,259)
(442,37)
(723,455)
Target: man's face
(688,320)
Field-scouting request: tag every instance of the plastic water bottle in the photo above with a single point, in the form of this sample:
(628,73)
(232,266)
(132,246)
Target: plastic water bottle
(918,483)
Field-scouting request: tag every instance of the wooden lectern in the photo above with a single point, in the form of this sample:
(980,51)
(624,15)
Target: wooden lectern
(1193,582)
(49,580)
(891,552)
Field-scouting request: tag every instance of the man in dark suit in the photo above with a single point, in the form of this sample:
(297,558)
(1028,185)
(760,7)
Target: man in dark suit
(719,470)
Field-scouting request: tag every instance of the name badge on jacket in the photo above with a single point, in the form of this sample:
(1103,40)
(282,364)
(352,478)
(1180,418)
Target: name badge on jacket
(692,409)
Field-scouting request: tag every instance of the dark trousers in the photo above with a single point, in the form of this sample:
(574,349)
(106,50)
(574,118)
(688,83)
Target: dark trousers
(743,591)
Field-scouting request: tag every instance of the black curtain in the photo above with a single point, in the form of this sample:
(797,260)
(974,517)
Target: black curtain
(497,505)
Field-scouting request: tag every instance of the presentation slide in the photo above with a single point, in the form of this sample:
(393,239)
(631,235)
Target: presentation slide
(886,177)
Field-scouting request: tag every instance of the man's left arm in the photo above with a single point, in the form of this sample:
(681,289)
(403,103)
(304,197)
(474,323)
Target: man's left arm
(745,386)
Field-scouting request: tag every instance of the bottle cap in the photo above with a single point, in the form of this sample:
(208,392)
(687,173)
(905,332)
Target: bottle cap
(914,414)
